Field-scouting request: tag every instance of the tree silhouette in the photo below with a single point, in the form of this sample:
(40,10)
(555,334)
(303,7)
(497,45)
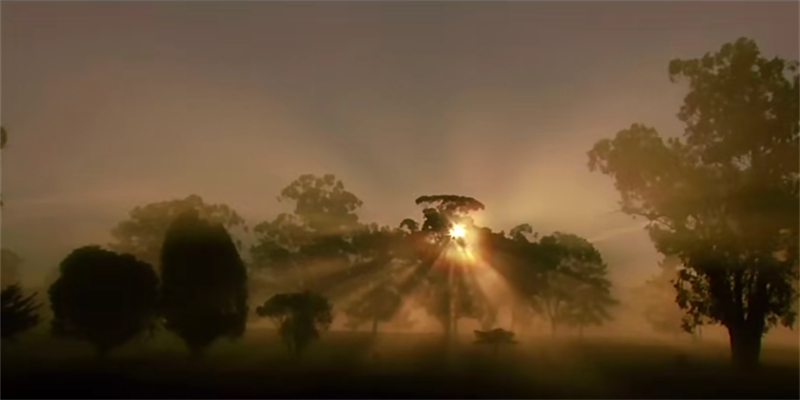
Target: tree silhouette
(103,297)
(10,263)
(18,312)
(3,141)
(495,338)
(379,304)
(448,294)
(318,231)
(572,285)
(142,234)
(724,198)
(299,318)
(204,282)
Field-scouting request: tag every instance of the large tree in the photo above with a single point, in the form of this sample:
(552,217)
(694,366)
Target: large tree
(204,282)
(103,297)
(318,231)
(142,234)
(448,293)
(724,197)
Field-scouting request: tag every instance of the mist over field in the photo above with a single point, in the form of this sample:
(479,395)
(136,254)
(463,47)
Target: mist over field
(400,200)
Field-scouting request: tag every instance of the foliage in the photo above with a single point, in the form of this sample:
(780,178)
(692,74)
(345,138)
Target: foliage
(299,318)
(495,338)
(142,234)
(320,229)
(448,293)
(724,198)
(10,263)
(3,141)
(18,312)
(574,289)
(380,304)
(658,297)
(103,297)
(204,289)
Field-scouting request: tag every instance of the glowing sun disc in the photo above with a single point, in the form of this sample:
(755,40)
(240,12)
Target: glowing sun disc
(457,231)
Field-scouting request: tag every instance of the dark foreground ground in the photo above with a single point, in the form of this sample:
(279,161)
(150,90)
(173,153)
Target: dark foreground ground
(352,365)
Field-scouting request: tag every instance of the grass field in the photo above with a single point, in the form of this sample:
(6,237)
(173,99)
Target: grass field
(356,365)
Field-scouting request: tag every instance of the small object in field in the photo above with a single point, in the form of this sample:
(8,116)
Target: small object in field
(495,337)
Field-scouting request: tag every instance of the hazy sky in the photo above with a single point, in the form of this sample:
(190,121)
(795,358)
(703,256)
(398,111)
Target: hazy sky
(113,105)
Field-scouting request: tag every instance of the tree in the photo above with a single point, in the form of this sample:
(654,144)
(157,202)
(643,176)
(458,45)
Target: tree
(143,233)
(319,229)
(724,198)
(448,294)
(3,137)
(103,297)
(495,338)
(299,318)
(577,291)
(204,282)
(18,312)
(3,141)
(379,304)
(10,263)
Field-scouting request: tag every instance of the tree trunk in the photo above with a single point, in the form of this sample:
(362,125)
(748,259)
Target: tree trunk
(374,327)
(745,342)
(580,331)
(553,325)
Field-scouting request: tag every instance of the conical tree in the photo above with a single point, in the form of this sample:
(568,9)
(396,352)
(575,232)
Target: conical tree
(204,290)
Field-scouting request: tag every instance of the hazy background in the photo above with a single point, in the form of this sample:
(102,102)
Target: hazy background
(114,105)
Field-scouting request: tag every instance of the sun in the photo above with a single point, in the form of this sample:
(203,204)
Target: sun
(457,231)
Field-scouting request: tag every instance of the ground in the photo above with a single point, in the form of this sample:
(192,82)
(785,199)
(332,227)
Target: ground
(392,365)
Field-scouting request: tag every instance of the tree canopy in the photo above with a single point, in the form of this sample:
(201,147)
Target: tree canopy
(724,196)
(204,282)
(143,233)
(299,318)
(103,297)
(318,231)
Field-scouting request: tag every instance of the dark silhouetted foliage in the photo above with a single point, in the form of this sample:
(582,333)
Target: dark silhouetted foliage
(143,233)
(3,140)
(204,282)
(103,297)
(724,198)
(299,318)
(495,338)
(18,312)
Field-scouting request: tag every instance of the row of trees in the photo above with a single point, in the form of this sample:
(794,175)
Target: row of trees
(722,199)
(108,297)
